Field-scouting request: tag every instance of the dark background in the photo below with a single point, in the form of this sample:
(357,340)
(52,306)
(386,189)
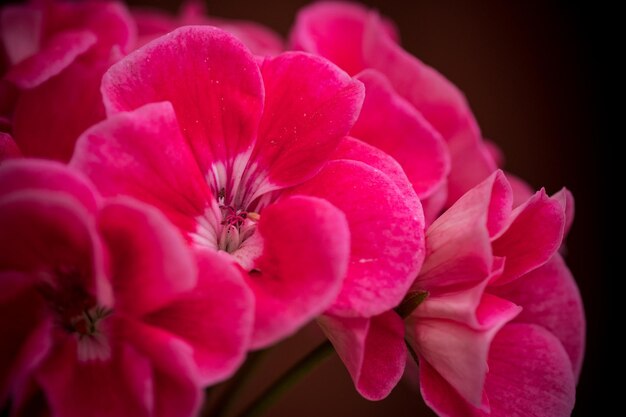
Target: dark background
(538,77)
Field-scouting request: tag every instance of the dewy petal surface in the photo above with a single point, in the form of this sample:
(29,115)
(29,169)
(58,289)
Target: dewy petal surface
(387,232)
(212,81)
(302,267)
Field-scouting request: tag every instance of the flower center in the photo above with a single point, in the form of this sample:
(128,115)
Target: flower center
(237,226)
(76,311)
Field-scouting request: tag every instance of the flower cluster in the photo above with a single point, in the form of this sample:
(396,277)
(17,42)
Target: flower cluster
(176,191)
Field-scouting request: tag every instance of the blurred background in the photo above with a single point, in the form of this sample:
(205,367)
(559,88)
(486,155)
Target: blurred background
(536,76)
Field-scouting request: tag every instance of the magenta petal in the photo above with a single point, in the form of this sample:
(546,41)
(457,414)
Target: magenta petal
(439,395)
(175,388)
(119,386)
(56,55)
(310,105)
(150,262)
(459,241)
(390,123)
(143,154)
(44,231)
(529,374)
(551,299)
(215,318)
(387,232)
(22,174)
(261,40)
(522,191)
(49,118)
(210,78)
(372,349)
(459,353)
(533,235)
(305,256)
(565,197)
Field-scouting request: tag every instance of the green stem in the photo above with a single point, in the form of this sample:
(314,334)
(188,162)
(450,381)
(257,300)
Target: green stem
(268,397)
(235,385)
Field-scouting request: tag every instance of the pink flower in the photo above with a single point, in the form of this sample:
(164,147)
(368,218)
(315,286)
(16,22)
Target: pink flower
(501,331)
(361,42)
(58,51)
(103,308)
(259,39)
(248,157)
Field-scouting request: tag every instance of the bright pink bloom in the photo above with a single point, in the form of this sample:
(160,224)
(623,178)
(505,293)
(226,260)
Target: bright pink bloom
(259,39)
(103,308)
(358,39)
(242,158)
(502,329)
(58,51)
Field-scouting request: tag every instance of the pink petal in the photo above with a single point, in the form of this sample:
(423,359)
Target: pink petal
(119,386)
(457,352)
(390,123)
(8,147)
(438,100)
(335,31)
(310,105)
(443,399)
(25,330)
(175,388)
(551,299)
(533,235)
(19,175)
(55,56)
(459,243)
(357,150)
(143,154)
(529,374)
(566,199)
(303,265)
(49,118)
(43,232)
(372,349)
(215,318)
(522,191)
(210,78)
(20,29)
(150,262)
(387,247)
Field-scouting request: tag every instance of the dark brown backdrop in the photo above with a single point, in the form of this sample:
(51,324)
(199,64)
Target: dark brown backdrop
(536,77)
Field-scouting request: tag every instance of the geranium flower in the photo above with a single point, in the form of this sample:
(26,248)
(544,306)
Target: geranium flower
(241,157)
(358,39)
(104,310)
(57,53)
(501,331)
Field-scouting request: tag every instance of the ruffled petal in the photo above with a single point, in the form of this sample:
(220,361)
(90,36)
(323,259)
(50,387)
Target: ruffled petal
(306,247)
(387,246)
(20,31)
(212,81)
(8,147)
(150,263)
(530,374)
(310,105)
(215,318)
(533,234)
(372,349)
(566,199)
(459,241)
(458,352)
(143,154)
(390,123)
(550,298)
